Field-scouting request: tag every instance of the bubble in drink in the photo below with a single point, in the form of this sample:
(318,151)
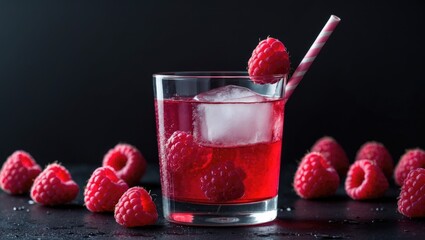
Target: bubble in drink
(235,110)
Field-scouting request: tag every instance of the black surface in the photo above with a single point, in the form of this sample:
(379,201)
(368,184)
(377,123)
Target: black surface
(334,218)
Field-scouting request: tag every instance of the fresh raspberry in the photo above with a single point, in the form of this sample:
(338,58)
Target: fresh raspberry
(411,202)
(365,180)
(103,190)
(315,177)
(127,161)
(377,152)
(412,159)
(184,154)
(54,186)
(334,153)
(135,208)
(268,58)
(18,173)
(223,182)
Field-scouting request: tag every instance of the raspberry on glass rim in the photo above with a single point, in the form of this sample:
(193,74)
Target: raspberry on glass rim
(268,58)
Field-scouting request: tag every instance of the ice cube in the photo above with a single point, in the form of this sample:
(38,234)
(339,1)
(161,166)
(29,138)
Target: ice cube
(230,93)
(232,116)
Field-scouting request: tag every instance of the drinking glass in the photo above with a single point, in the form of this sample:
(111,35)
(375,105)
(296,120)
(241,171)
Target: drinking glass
(219,143)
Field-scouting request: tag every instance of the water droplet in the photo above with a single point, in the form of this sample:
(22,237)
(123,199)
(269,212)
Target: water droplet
(377,209)
(19,208)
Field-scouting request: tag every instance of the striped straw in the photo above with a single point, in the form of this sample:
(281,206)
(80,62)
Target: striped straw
(312,53)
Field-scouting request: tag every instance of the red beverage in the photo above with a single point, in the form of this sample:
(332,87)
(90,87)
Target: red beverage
(256,151)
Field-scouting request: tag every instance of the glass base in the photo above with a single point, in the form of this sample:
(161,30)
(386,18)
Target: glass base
(220,215)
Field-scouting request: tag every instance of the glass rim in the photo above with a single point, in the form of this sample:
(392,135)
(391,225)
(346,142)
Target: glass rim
(212,74)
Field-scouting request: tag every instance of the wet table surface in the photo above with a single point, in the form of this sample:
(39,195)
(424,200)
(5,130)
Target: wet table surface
(334,218)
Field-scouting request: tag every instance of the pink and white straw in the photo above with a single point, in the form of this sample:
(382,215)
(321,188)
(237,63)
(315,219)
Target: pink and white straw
(312,53)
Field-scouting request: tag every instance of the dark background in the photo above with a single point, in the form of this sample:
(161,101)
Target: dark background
(76,76)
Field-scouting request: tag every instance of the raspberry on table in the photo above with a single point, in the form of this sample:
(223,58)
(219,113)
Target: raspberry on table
(135,208)
(184,154)
(334,153)
(315,177)
(103,190)
(54,186)
(411,202)
(127,161)
(18,173)
(378,153)
(412,159)
(223,182)
(268,58)
(365,180)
